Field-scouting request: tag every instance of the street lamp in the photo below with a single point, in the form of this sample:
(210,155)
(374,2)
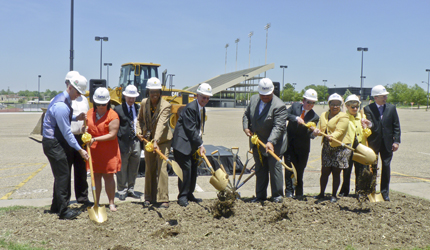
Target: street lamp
(249,60)
(247,87)
(283,67)
(101,39)
(267,35)
(428,80)
(38,89)
(361,77)
(324,98)
(226,46)
(237,44)
(107,66)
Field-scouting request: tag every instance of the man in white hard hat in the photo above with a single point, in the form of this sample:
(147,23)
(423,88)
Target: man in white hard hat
(265,116)
(187,139)
(385,137)
(58,142)
(79,105)
(129,144)
(299,141)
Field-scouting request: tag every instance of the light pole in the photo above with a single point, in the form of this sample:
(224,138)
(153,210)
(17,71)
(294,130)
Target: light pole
(71,36)
(361,77)
(226,46)
(101,39)
(247,88)
(283,67)
(249,60)
(38,89)
(237,44)
(267,35)
(324,98)
(107,75)
(428,80)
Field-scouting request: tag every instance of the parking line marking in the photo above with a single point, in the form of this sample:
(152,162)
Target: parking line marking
(22,183)
(413,177)
(14,175)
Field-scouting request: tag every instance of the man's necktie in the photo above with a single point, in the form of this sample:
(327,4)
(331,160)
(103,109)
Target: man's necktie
(201,119)
(303,114)
(381,110)
(133,131)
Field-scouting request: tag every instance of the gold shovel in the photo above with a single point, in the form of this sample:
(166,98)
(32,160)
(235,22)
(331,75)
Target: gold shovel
(96,213)
(219,178)
(175,166)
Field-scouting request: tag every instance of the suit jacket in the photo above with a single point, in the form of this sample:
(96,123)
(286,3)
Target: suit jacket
(186,137)
(387,129)
(124,132)
(300,134)
(270,124)
(337,126)
(161,131)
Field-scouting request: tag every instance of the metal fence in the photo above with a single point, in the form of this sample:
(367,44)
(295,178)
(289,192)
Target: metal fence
(18,107)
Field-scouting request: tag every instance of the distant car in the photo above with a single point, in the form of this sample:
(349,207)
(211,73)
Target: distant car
(287,103)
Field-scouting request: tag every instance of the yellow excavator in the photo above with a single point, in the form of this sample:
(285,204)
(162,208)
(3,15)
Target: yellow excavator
(136,74)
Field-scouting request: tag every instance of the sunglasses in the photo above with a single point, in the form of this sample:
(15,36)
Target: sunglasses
(354,107)
(334,105)
(309,102)
(97,104)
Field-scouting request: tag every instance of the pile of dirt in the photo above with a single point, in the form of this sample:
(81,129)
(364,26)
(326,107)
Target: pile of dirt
(402,223)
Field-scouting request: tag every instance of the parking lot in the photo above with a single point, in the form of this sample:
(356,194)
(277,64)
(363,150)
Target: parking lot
(26,176)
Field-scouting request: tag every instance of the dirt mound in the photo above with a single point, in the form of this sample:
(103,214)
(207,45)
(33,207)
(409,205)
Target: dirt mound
(402,223)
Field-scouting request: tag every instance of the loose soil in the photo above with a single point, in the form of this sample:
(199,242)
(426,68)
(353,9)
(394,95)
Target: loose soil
(213,224)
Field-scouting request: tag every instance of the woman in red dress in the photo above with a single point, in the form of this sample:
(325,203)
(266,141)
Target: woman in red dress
(103,125)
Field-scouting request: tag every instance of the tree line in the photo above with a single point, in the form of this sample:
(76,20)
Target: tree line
(30,95)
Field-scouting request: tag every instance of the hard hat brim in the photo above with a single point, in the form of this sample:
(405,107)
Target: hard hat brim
(81,92)
(101,102)
(206,94)
(129,95)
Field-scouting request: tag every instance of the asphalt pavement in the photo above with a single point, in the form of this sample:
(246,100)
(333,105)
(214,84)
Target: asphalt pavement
(26,177)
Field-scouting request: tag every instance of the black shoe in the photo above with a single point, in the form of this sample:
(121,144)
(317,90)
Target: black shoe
(277,199)
(194,199)
(301,198)
(333,199)
(257,200)
(288,194)
(87,204)
(319,197)
(343,194)
(122,197)
(133,195)
(146,203)
(183,202)
(70,214)
(385,196)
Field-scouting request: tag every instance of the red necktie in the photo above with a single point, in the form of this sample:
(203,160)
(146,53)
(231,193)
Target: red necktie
(303,114)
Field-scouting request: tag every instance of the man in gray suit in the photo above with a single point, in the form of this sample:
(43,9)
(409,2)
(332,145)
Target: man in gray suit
(265,116)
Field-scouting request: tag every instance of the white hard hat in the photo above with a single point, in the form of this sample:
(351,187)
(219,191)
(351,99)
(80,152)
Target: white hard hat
(205,89)
(352,98)
(153,83)
(379,90)
(71,74)
(311,95)
(79,83)
(101,95)
(265,86)
(131,91)
(335,97)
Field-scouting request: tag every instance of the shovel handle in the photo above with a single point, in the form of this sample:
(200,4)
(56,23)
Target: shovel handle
(246,180)
(208,163)
(244,166)
(214,152)
(93,183)
(333,139)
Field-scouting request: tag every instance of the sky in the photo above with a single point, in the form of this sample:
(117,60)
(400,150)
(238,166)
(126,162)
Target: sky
(316,39)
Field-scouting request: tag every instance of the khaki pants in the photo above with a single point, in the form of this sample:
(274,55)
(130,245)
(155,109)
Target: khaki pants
(156,176)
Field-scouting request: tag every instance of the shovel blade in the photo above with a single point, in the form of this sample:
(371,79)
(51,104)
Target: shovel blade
(97,214)
(177,169)
(219,180)
(373,197)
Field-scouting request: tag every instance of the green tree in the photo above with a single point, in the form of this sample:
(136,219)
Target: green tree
(347,93)
(321,90)
(399,92)
(418,95)
(288,93)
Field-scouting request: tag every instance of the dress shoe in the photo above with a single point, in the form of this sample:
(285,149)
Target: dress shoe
(70,214)
(277,199)
(183,202)
(122,197)
(146,203)
(256,200)
(133,195)
(319,197)
(164,205)
(343,194)
(288,194)
(194,199)
(333,199)
(301,198)
(386,197)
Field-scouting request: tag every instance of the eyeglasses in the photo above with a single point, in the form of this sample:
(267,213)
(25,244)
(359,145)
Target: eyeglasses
(154,92)
(309,102)
(334,105)
(205,97)
(354,107)
(97,104)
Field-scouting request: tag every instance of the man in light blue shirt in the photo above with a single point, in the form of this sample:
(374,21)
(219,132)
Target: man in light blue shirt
(58,142)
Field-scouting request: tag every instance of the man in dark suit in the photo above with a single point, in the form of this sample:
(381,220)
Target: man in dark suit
(299,143)
(265,116)
(385,137)
(129,144)
(187,139)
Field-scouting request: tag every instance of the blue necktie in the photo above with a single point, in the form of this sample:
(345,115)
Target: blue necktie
(381,110)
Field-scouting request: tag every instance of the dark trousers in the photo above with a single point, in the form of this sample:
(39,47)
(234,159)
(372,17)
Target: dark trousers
(59,156)
(298,158)
(189,174)
(359,168)
(386,157)
(269,168)
(80,174)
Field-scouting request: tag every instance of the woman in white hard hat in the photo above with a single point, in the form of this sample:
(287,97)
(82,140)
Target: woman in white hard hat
(334,156)
(355,134)
(152,124)
(103,124)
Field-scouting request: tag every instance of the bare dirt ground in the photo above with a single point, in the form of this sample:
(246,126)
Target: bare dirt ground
(403,223)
